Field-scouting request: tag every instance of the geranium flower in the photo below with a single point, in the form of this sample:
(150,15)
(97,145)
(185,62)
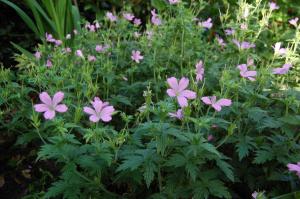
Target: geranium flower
(244,26)
(243,45)
(136,56)
(217,105)
(220,41)
(199,71)
(179,91)
(101,48)
(50,38)
(128,16)
(244,72)
(210,137)
(49,106)
(172,2)
(91,58)
(273,6)
(137,22)
(100,111)
(178,114)
(229,31)
(206,24)
(38,55)
(111,17)
(283,70)
(58,42)
(154,18)
(49,63)
(294,21)
(295,168)
(278,50)
(79,53)
(254,194)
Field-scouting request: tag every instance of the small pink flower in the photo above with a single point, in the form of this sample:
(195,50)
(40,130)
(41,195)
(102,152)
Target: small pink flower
(91,28)
(58,42)
(220,41)
(154,18)
(295,168)
(283,70)
(67,50)
(294,21)
(178,114)
(149,34)
(172,2)
(101,48)
(210,137)
(136,56)
(229,31)
(244,72)
(79,53)
(243,45)
(91,58)
(50,38)
(273,6)
(217,105)
(254,194)
(179,91)
(137,22)
(199,71)
(49,106)
(100,111)
(38,55)
(128,16)
(111,17)
(206,24)
(49,63)
(244,26)
(278,51)
(97,25)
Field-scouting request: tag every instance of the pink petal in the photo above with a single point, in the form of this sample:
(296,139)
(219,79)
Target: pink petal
(242,67)
(41,108)
(188,94)
(98,105)
(206,100)
(171,92)
(217,107)
(61,108)
(183,83)
(58,97)
(106,113)
(293,167)
(45,98)
(250,73)
(182,101)
(49,115)
(173,83)
(224,102)
(89,110)
(94,118)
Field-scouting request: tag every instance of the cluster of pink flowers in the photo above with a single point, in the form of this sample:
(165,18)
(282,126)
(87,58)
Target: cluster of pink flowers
(51,39)
(111,17)
(131,17)
(154,18)
(49,106)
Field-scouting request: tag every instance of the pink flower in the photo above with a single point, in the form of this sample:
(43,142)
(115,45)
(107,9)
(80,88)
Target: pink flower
(210,137)
(100,111)
(199,71)
(244,72)
(154,18)
(111,17)
(136,56)
(244,26)
(278,50)
(206,24)
(91,58)
(149,34)
(79,53)
(58,42)
(101,48)
(137,22)
(179,91)
(217,105)
(172,2)
(38,55)
(243,45)
(294,167)
(49,106)
(283,70)
(97,25)
(229,31)
(254,195)
(294,21)
(67,50)
(128,16)
(178,114)
(273,6)
(49,63)
(50,38)
(220,41)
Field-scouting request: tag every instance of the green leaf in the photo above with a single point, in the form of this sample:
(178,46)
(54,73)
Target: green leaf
(22,50)
(176,160)
(159,4)
(263,156)
(211,148)
(226,168)
(149,173)
(132,162)
(244,145)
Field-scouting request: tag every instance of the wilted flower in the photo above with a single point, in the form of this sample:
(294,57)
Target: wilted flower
(79,53)
(295,168)
(206,24)
(111,17)
(179,91)
(38,55)
(273,6)
(91,58)
(154,18)
(217,105)
(128,16)
(49,63)
(278,50)
(136,56)
(100,111)
(229,31)
(283,70)
(294,21)
(137,22)
(49,106)
(172,2)
(178,114)
(199,71)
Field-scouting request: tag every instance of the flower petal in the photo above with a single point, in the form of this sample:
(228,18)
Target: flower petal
(182,101)
(61,108)
(49,115)
(206,100)
(41,108)
(45,98)
(188,94)
(89,110)
(171,92)
(94,118)
(106,113)
(173,83)
(217,107)
(58,97)
(183,84)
